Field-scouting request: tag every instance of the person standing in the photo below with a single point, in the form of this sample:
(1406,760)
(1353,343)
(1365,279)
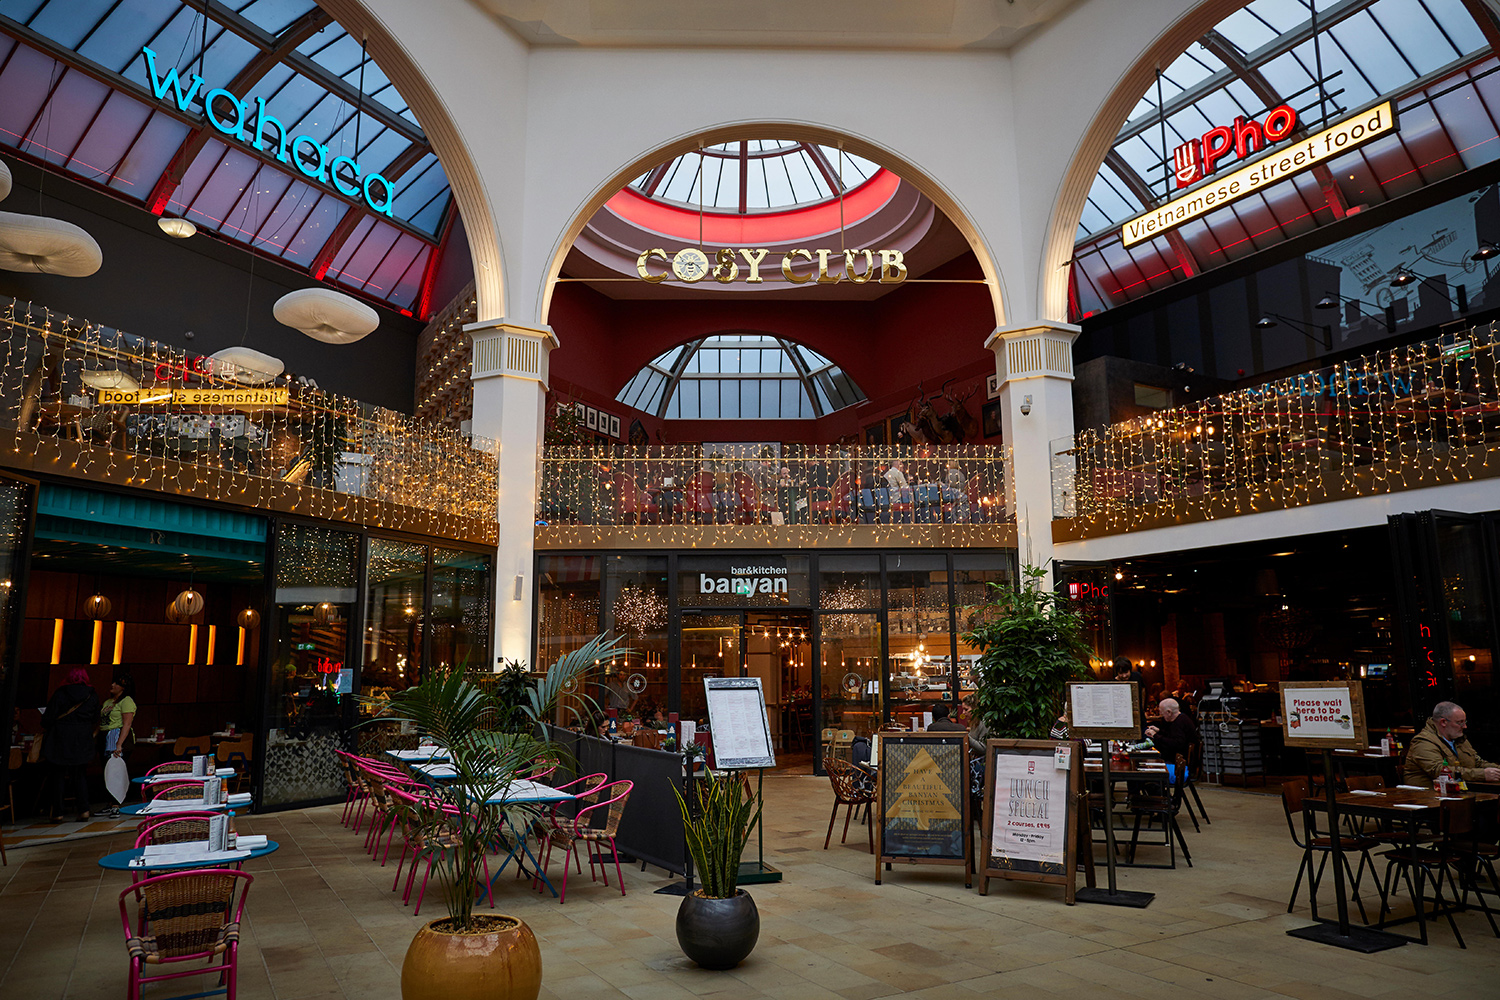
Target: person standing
(116,719)
(68,745)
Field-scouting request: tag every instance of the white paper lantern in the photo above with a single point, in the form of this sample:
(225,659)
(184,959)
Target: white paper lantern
(326,315)
(179,229)
(109,378)
(47,246)
(245,364)
(4,180)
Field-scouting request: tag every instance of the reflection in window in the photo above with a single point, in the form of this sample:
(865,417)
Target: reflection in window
(567,606)
(921,647)
(395,610)
(635,607)
(850,671)
(461,592)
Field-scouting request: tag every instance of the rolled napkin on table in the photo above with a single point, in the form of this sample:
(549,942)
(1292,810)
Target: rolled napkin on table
(1413,788)
(251,842)
(240,799)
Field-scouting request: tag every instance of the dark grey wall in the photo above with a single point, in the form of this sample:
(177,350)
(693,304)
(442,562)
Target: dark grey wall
(161,288)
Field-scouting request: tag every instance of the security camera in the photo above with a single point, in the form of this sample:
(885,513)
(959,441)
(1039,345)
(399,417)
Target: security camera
(1025,406)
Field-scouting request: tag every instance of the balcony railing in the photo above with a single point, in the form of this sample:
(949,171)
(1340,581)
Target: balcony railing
(278,442)
(772,485)
(1421,415)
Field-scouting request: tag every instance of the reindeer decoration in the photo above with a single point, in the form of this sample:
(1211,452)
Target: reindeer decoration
(959,421)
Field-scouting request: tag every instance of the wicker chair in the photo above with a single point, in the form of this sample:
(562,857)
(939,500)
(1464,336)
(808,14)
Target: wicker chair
(582,831)
(185,916)
(171,767)
(177,830)
(423,834)
(850,789)
(176,791)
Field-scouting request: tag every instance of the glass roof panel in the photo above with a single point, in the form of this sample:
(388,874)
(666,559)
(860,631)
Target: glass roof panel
(740,376)
(117,133)
(777,175)
(1370,50)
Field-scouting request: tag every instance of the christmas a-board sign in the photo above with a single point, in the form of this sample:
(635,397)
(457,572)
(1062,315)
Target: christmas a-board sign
(922,802)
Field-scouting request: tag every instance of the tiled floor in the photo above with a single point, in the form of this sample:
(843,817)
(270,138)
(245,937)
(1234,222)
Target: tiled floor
(323,923)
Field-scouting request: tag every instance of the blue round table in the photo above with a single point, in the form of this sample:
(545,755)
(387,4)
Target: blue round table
(124,861)
(135,809)
(163,779)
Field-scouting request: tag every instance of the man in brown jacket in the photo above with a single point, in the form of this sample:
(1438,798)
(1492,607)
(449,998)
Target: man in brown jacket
(1442,743)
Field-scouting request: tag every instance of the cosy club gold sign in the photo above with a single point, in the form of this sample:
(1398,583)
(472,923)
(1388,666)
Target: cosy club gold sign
(163,396)
(799,267)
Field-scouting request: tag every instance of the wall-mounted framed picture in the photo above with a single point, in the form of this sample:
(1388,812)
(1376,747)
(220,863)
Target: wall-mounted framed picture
(614,425)
(992,386)
(875,434)
(990,415)
(898,435)
(591,418)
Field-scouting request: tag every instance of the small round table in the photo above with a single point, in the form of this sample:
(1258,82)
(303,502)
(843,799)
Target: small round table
(123,861)
(137,809)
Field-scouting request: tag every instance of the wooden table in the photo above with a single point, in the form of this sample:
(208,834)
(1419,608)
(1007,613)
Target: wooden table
(1398,807)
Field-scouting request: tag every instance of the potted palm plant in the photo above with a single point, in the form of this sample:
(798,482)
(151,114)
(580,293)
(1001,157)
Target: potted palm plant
(718,925)
(467,954)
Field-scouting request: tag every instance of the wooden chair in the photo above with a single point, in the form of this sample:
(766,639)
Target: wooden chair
(1163,808)
(850,789)
(185,916)
(1195,761)
(237,754)
(843,745)
(192,746)
(1430,864)
(648,738)
(1468,857)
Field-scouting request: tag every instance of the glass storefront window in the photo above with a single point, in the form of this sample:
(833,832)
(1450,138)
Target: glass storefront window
(567,606)
(316,587)
(921,644)
(395,614)
(461,594)
(710,648)
(635,607)
(972,575)
(850,675)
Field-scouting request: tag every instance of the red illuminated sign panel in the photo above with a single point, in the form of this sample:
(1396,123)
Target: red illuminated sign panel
(1197,158)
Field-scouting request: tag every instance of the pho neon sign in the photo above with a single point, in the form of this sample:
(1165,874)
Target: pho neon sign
(1279,164)
(230,116)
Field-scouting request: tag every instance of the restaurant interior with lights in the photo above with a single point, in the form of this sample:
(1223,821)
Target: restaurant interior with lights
(349,346)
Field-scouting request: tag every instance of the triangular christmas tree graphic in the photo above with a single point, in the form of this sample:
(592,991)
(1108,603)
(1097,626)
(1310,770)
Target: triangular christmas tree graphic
(922,796)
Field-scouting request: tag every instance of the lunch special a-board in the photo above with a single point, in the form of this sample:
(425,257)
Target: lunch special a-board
(922,802)
(1033,818)
(1323,715)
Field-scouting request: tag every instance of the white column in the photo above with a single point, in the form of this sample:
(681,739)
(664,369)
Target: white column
(1035,365)
(510,395)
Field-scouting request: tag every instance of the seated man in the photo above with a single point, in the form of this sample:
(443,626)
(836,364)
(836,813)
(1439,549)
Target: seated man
(1442,743)
(942,724)
(1176,732)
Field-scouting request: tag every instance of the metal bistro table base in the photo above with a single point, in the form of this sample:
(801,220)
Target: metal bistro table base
(1360,939)
(1111,896)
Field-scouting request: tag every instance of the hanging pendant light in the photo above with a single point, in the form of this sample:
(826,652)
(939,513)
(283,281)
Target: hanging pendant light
(248,619)
(323,613)
(188,603)
(97,607)
(173,615)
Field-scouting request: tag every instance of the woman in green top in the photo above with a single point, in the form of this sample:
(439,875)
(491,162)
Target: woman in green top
(118,714)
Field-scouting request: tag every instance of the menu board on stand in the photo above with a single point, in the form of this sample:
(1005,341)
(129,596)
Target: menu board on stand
(1034,815)
(922,802)
(742,742)
(1107,710)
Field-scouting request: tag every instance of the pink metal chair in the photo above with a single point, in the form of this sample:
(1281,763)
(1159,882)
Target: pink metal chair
(153,821)
(176,830)
(174,791)
(185,917)
(582,832)
(424,835)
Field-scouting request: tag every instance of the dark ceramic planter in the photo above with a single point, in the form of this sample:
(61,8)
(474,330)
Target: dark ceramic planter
(718,933)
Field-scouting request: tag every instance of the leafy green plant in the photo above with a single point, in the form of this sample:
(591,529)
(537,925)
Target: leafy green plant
(1031,645)
(465,719)
(717,835)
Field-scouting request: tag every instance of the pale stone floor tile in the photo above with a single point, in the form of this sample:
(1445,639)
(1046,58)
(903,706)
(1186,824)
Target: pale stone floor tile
(323,922)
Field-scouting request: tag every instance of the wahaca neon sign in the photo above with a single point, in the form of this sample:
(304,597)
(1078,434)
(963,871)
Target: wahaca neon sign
(229,115)
(1197,158)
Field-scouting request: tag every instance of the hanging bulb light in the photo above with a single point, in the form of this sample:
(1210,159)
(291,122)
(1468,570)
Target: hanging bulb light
(173,615)
(323,613)
(188,603)
(97,607)
(248,619)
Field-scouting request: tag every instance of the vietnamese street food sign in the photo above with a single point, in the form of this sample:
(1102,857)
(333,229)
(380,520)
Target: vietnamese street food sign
(1277,165)
(171,395)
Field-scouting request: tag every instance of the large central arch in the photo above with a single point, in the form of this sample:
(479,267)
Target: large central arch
(800,131)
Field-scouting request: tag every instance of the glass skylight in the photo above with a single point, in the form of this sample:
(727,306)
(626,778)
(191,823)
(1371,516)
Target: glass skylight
(756,175)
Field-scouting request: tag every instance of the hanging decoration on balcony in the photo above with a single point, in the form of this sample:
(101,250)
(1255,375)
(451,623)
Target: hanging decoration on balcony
(326,315)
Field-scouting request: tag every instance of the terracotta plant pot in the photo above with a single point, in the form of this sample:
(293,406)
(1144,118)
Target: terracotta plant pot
(501,962)
(718,933)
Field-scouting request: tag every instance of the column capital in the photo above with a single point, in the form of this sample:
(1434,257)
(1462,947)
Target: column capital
(513,350)
(1034,350)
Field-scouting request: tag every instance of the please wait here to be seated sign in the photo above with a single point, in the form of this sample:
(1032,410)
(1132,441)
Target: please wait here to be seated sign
(1297,156)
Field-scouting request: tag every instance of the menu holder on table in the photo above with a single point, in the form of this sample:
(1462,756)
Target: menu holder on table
(200,765)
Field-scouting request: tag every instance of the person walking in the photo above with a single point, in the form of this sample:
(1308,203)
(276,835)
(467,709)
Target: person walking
(68,746)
